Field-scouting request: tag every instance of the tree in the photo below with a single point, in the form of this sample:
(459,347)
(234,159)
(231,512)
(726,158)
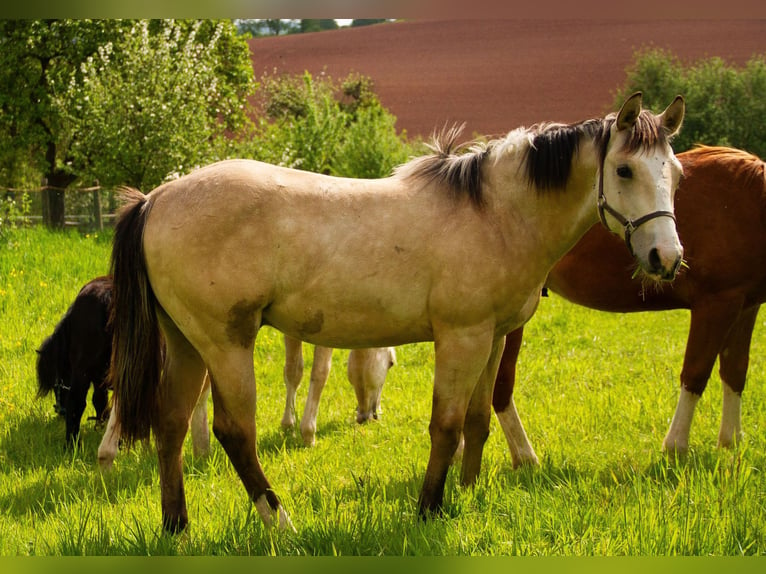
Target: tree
(308,25)
(37,59)
(158,101)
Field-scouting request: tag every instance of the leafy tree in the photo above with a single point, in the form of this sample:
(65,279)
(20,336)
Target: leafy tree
(358,22)
(37,60)
(724,104)
(119,101)
(155,104)
(267,27)
(308,25)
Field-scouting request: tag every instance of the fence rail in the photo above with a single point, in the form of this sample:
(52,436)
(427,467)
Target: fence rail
(92,214)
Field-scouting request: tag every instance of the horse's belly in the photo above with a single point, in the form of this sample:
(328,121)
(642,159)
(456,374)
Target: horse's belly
(350,326)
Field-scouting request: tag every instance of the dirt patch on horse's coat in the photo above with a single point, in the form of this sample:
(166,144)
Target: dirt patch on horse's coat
(240,327)
(313,324)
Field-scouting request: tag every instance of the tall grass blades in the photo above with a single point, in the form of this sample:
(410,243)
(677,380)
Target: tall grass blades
(596,392)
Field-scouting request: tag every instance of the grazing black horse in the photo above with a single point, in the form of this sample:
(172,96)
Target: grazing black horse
(77,354)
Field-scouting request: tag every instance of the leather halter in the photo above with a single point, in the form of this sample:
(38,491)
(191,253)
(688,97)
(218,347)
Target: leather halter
(629,225)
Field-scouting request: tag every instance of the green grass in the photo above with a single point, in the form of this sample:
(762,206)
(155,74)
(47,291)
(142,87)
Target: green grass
(596,392)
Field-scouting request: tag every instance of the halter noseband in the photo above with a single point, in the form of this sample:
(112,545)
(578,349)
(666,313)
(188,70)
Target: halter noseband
(628,225)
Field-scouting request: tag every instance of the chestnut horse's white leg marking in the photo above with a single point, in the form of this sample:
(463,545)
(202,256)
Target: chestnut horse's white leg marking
(293,372)
(677,439)
(522,452)
(730,432)
(107,450)
(320,370)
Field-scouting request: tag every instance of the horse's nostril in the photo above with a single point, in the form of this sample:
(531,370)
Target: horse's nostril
(654,259)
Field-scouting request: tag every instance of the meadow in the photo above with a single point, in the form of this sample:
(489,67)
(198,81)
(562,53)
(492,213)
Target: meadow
(596,392)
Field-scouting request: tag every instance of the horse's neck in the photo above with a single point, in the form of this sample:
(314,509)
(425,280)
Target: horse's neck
(559,218)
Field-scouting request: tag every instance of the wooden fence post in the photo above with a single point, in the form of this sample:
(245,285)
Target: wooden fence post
(45,203)
(97,206)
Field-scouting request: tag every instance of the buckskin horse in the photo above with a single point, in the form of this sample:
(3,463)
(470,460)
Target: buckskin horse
(721,213)
(367,370)
(453,247)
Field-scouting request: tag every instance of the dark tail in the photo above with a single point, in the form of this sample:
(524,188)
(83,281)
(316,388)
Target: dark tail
(52,360)
(136,363)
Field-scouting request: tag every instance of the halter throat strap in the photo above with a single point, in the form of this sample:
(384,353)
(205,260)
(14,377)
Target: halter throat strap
(629,225)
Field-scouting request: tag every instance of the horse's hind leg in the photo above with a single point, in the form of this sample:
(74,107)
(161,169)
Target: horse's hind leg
(233,385)
(182,383)
(320,370)
(733,362)
(293,372)
(522,452)
(107,450)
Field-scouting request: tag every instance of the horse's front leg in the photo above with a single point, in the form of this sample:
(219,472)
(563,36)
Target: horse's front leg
(710,324)
(476,427)
(733,363)
(293,372)
(320,370)
(75,406)
(522,452)
(461,357)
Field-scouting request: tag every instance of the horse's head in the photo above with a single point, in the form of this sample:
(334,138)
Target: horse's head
(367,370)
(637,183)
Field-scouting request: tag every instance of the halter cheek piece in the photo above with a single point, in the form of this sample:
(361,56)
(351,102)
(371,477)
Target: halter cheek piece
(628,225)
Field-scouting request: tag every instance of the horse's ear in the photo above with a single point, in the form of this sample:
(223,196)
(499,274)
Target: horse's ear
(629,112)
(673,116)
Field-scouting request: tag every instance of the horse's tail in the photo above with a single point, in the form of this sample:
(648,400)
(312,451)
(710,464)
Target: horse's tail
(52,358)
(135,368)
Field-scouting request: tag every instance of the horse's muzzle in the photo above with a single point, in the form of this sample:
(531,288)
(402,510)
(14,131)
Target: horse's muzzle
(662,269)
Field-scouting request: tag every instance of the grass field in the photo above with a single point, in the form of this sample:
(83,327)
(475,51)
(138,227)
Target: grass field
(596,393)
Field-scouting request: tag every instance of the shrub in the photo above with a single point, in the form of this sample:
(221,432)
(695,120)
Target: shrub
(724,104)
(326,127)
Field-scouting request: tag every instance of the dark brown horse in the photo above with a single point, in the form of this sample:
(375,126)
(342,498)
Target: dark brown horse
(77,354)
(720,208)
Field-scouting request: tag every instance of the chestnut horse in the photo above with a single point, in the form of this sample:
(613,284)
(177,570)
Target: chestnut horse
(452,248)
(721,212)
(367,370)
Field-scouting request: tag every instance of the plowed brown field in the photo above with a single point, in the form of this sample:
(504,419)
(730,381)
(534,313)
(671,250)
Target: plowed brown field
(496,75)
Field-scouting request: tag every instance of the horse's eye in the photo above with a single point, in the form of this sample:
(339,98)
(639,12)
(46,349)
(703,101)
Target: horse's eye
(625,172)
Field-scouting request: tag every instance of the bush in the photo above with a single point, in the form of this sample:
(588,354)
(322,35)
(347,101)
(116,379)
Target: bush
(724,104)
(326,127)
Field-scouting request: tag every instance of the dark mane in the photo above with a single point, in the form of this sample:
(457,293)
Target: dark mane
(549,157)
(460,172)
